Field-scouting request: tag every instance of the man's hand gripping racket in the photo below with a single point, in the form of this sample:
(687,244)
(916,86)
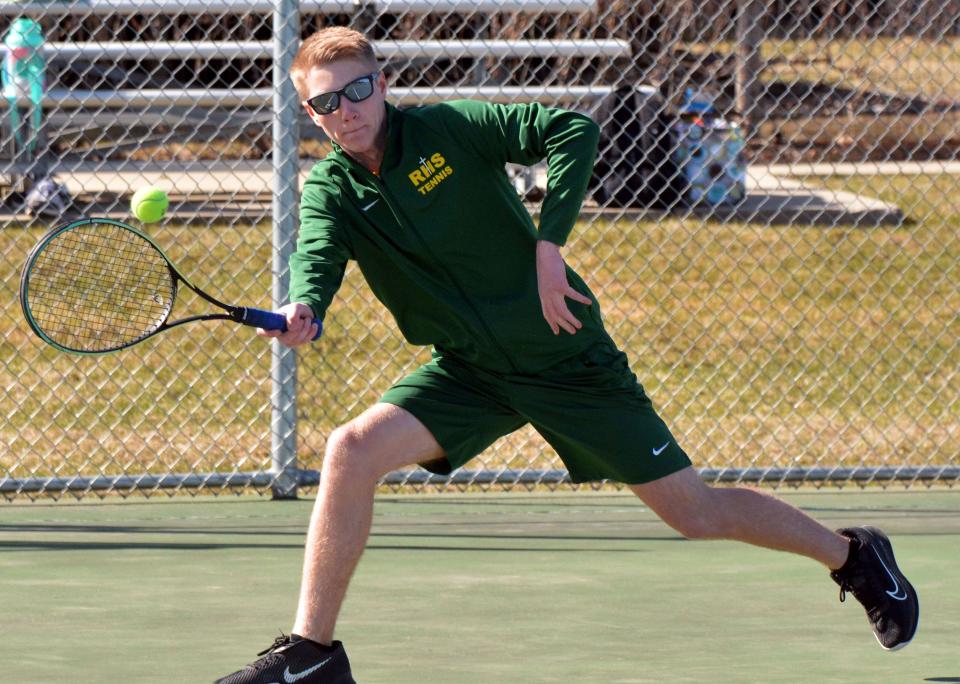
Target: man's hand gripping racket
(96,285)
(301,326)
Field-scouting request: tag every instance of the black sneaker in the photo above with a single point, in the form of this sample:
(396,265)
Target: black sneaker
(872,575)
(295,660)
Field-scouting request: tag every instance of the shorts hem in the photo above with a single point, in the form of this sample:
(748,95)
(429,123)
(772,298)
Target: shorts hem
(674,466)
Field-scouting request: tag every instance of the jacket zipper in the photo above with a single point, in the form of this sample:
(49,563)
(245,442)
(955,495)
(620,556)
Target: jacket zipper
(402,220)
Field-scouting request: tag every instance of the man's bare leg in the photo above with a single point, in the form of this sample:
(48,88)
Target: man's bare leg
(697,511)
(861,560)
(382,439)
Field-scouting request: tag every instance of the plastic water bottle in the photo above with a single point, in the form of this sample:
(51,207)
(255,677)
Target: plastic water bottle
(710,153)
(24,68)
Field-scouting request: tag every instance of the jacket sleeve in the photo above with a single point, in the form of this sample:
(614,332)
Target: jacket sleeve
(528,133)
(318,265)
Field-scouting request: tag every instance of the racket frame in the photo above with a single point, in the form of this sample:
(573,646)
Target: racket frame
(238,314)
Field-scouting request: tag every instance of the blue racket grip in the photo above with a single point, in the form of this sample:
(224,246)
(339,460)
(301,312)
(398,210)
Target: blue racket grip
(271,320)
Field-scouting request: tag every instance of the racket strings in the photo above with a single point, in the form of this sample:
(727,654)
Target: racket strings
(98,286)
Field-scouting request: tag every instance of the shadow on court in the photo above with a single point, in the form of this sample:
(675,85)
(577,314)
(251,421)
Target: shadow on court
(452,589)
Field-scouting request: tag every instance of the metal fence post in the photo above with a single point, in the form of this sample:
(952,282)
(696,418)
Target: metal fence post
(750,35)
(283,397)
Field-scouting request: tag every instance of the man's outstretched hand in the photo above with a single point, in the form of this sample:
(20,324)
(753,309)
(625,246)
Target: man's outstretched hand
(300,325)
(554,289)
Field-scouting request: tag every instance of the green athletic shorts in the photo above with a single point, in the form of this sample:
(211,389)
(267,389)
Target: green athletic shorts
(590,409)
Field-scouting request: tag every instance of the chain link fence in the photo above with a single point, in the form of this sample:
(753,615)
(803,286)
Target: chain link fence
(772,229)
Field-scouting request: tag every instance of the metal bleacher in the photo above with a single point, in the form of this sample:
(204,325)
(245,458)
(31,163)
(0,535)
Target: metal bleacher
(388,50)
(114,117)
(62,98)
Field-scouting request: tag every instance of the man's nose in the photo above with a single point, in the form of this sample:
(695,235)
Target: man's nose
(348,109)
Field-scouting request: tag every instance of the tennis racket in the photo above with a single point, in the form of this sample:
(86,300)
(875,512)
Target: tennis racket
(95,285)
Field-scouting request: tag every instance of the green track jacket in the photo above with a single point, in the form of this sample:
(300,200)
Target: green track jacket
(442,237)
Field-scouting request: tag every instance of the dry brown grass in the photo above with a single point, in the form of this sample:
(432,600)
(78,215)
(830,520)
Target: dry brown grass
(761,346)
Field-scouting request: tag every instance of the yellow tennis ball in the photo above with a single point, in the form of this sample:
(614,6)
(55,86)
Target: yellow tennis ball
(149,204)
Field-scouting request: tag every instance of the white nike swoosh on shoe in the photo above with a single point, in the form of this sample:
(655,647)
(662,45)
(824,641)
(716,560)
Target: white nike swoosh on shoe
(290,678)
(897,589)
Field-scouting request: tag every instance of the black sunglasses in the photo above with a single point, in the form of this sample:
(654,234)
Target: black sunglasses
(355,91)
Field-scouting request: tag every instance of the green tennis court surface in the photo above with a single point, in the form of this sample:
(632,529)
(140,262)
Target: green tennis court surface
(574,587)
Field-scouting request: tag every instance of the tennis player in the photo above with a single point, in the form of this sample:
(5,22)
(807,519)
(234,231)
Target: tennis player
(421,201)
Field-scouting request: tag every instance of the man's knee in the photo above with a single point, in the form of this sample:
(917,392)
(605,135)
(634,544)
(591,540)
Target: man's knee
(383,438)
(348,454)
(686,504)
